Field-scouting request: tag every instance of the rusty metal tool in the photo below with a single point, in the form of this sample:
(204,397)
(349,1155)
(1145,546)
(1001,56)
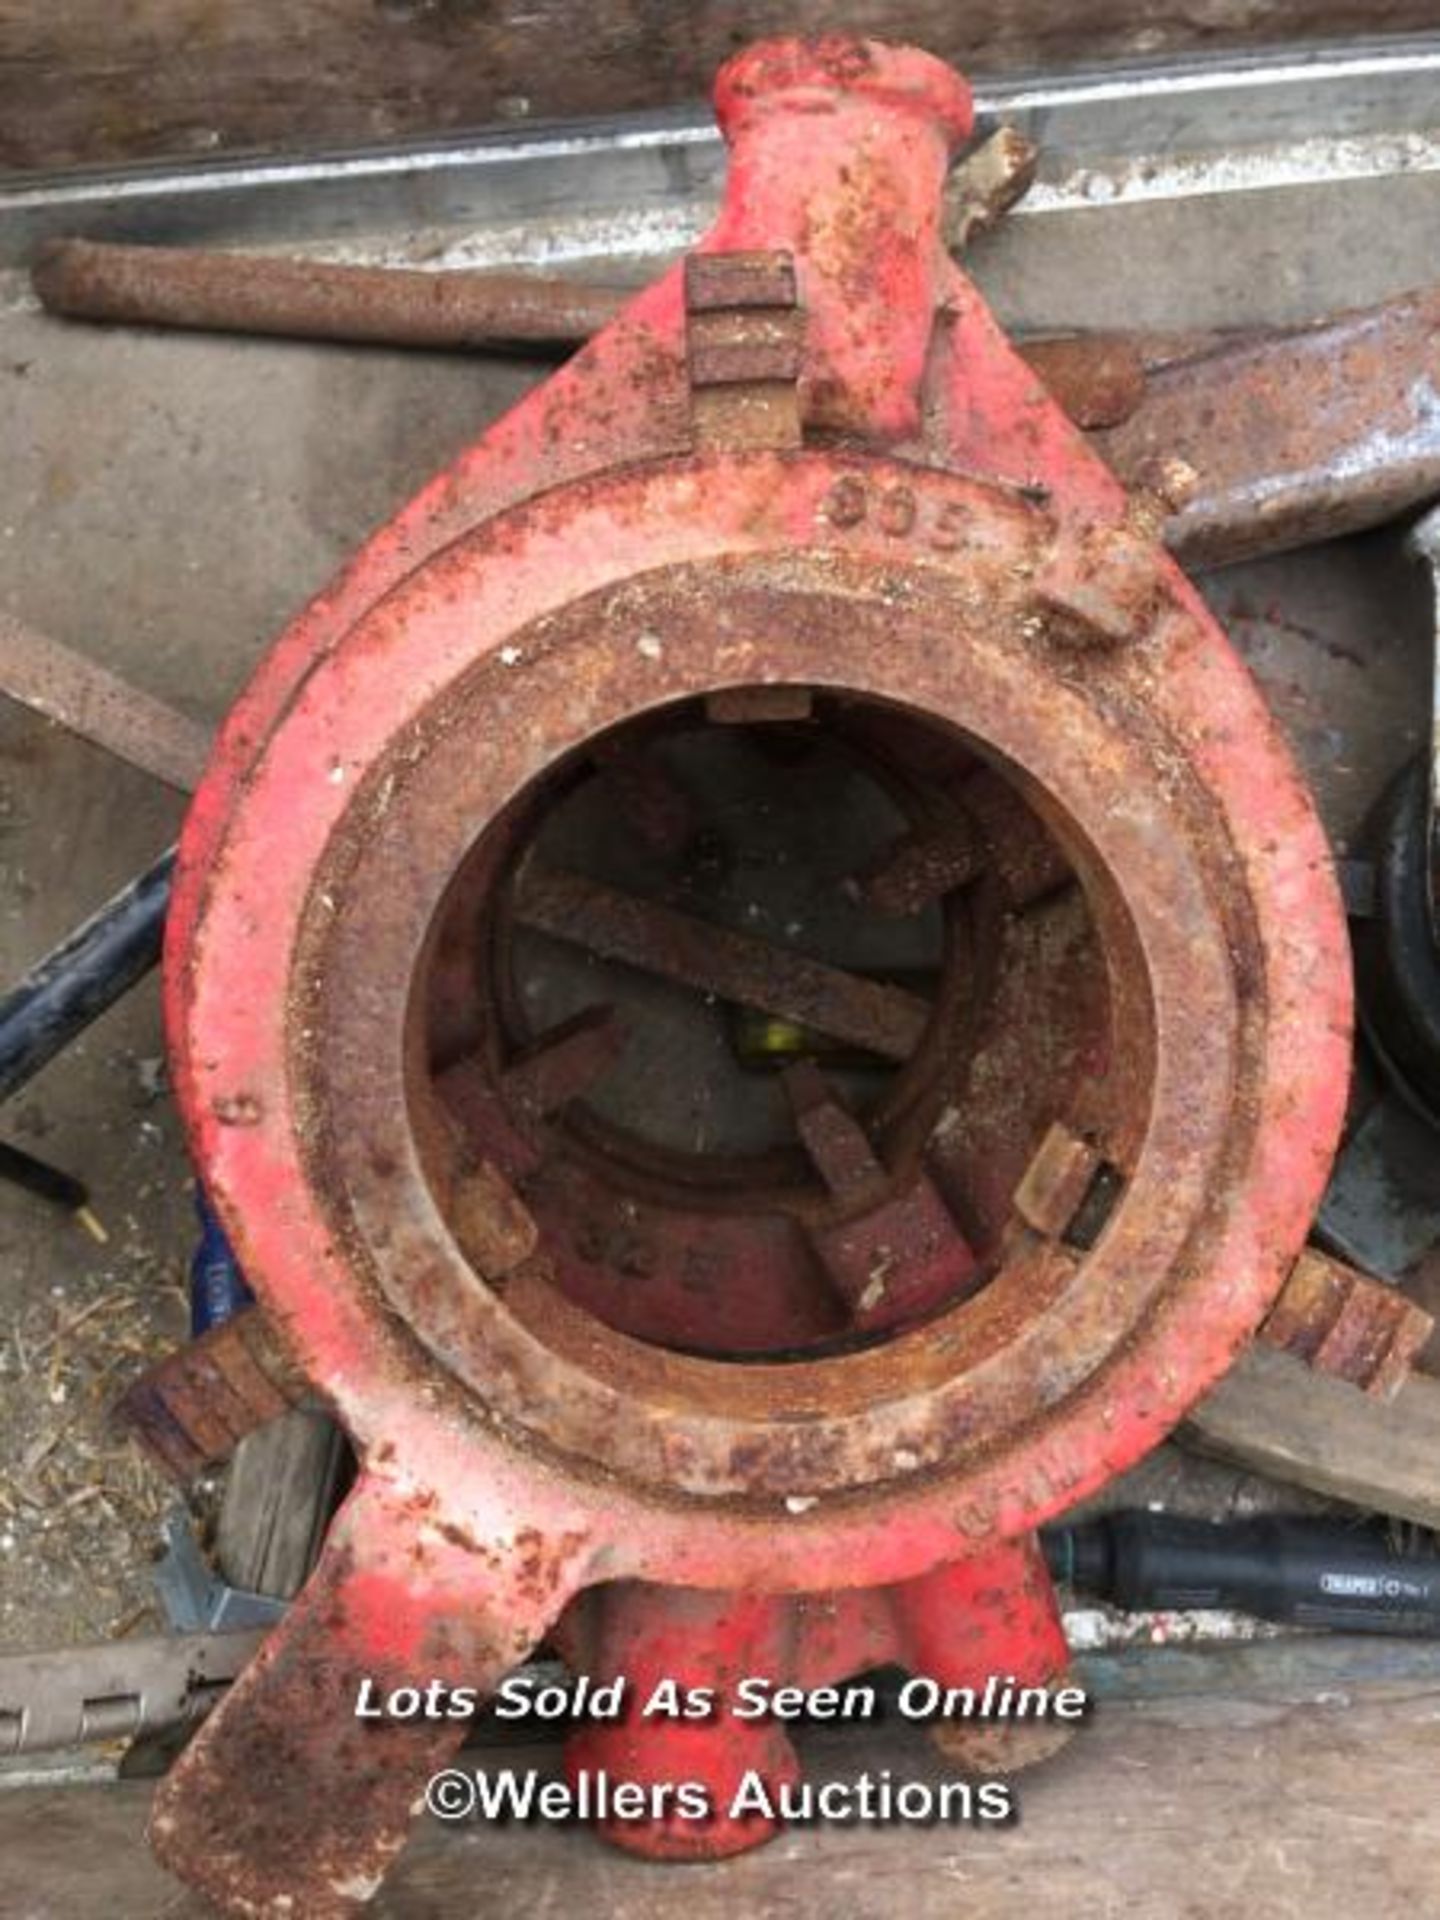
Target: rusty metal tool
(63,685)
(671,1404)
(1294,436)
(314,299)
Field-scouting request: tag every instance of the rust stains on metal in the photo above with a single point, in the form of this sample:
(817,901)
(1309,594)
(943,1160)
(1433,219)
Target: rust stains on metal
(315,299)
(884,1020)
(1099,378)
(190,1409)
(924,866)
(1103,591)
(295,1802)
(1295,436)
(1187,1016)
(745,348)
(1026,860)
(564,1062)
(984,186)
(1056,1181)
(896,1252)
(758,706)
(754,281)
(1344,1323)
(56,681)
(492,1226)
(834,1139)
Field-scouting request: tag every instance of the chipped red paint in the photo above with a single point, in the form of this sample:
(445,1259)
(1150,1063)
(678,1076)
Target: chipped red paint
(455,1261)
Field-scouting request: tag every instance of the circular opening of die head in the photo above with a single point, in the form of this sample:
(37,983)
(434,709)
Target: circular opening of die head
(761,1006)
(762,1087)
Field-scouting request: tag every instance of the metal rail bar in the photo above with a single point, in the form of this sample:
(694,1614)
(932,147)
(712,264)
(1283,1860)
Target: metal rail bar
(646,185)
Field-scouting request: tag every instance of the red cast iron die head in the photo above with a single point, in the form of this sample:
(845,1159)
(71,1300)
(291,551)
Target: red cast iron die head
(957,575)
(302,1072)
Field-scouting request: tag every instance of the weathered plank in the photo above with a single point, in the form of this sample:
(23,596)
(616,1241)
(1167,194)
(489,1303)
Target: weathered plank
(1273,1415)
(1195,1810)
(279,1493)
(90,82)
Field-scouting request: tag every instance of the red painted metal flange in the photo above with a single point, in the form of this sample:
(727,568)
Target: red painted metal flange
(809,463)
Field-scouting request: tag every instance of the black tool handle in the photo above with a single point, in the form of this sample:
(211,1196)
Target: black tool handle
(75,983)
(1311,1573)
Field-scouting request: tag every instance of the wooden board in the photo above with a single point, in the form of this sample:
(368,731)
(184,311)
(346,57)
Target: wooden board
(1273,1415)
(1193,1811)
(279,1494)
(92,82)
